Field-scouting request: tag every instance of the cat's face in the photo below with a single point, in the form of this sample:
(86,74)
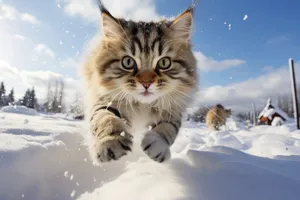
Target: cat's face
(147,60)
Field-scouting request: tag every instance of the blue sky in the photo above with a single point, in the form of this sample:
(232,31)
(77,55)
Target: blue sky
(252,48)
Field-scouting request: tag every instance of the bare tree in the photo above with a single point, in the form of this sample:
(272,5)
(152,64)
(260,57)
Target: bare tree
(76,106)
(61,105)
(54,100)
(49,97)
(55,97)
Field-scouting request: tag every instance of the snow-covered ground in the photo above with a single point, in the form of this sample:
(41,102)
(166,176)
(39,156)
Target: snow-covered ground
(44,157)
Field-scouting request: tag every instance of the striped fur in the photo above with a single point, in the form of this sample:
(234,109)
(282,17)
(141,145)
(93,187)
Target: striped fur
(139,70)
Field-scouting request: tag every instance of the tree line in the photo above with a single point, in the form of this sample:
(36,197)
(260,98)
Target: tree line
(54,101)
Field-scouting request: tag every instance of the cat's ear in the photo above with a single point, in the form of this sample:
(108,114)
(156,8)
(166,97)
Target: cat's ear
(182,25)
(111,26)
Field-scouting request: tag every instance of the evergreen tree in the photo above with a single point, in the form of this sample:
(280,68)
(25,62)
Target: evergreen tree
(11,97)
(2,89)
(26,99)
(32,101)
(2,94)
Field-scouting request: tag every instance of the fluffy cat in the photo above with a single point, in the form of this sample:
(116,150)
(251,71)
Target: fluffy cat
(216,117)
(139,70)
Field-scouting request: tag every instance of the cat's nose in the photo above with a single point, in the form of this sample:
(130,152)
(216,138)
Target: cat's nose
(146,85)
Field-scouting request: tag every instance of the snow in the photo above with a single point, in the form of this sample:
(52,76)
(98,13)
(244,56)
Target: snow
(277,121)
(268,113)
(18,110)
(47,158)
(229,26)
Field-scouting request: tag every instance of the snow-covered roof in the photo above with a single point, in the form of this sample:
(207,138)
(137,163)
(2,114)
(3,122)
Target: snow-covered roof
(269,112)
(270,109)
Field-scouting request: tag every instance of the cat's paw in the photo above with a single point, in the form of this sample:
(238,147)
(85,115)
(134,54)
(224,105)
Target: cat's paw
(156,147)
(112,147)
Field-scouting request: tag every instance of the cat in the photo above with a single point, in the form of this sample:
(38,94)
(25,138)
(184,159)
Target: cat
(142,71)
(216,117)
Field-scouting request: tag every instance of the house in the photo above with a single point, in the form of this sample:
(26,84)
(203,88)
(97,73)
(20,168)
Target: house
(272,115)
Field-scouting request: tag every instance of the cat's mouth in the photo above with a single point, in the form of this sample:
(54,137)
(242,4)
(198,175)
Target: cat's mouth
(146,93)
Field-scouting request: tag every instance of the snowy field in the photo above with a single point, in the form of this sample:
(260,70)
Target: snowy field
(44,157)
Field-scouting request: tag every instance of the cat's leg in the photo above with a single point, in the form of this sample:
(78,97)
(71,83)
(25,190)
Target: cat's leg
(156,143)
(110,136)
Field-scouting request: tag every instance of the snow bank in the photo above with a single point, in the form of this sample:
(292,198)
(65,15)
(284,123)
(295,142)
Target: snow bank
(46,158)
(219,173)
(18,110)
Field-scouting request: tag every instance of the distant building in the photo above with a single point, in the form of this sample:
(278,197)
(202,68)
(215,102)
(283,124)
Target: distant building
(272,115)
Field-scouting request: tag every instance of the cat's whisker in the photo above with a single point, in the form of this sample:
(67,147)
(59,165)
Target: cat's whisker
(112,100)
(110,91)
(120,99)
(179,96)
(181,92)
(179,106)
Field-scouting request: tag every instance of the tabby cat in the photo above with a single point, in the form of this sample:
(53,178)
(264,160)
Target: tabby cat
(139,74)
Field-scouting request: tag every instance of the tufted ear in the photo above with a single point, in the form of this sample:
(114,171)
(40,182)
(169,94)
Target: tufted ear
(111,26)
(182,25)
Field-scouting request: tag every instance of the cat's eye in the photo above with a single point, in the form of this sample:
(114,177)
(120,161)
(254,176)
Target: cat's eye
(164,63)
(128,63)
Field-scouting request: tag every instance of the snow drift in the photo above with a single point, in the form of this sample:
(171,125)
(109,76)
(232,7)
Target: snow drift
(18,110)
(45,158)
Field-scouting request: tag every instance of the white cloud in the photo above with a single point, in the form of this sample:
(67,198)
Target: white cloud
(209,64)
(20,80)
(10,13)
(29,18)
(7,71)
(42,49)
(69,62)
(240,96)
(19,37)
(133,9)
(268,69)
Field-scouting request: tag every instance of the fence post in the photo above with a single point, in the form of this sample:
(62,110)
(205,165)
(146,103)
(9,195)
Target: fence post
(254,113)
(294,91)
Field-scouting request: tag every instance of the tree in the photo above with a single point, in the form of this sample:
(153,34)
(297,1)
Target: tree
(25,100)
(54,102)
(2,94)
(32,101)
(49,98)
(2,89)
(61,97)
(11,97)
(55,97)
(76,106)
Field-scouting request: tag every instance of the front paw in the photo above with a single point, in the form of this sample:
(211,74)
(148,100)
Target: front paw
(156,147)
(113,147)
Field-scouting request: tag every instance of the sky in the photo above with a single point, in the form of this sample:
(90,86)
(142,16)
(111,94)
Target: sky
(242,46)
